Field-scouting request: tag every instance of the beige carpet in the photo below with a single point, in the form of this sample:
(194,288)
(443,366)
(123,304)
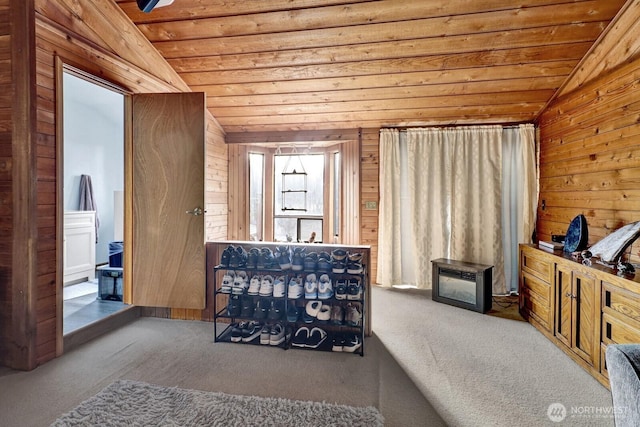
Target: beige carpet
(176,353)
(483,370)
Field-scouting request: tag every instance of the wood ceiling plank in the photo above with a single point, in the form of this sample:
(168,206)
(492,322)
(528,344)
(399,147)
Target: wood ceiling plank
(190,9)
(525,110)
(618,44)
(497,73)
(420,91)
(107,19)
(524,98)
(563,36)
(530,56)
(374,13)
(417,29)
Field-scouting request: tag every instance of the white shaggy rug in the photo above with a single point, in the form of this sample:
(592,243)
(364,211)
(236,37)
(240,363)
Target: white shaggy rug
(133,403)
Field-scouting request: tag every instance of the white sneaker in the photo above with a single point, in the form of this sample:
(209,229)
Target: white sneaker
(227,282)
(278,287)
(325,288)
(254,285)
(296,290)
(324,315)
(240,283)
(266,286)
(311,287)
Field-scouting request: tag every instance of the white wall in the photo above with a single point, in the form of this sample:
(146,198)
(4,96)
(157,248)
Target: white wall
(94,146)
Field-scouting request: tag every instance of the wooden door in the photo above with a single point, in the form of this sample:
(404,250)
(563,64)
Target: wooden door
(584,309)
(564,300)
(165,252)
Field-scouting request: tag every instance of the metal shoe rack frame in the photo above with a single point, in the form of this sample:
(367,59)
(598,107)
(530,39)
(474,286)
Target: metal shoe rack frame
(331,329)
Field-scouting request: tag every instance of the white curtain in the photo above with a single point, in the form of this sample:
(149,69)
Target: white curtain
(519,195)
(454,206)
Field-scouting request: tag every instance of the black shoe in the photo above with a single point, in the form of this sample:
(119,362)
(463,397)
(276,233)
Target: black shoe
(265,259)
(234,306)
(276,312)
(237,331)
(292,312)
(252,331)
(300,338)
(226,256)
(352,343)
(248,307)
(262,308)
(310,262)
(316,337)
(252,258)
(238,258)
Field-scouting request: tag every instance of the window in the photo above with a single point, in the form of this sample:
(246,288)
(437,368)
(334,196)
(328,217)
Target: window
(317,203)
(256,196)
(298,197)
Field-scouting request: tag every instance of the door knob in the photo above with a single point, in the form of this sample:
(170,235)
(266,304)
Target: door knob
(196,211)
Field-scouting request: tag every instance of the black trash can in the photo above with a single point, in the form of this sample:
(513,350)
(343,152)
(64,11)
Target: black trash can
(115,254)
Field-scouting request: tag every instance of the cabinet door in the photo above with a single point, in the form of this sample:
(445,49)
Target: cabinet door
(165,251)
(584,316)
(564,302)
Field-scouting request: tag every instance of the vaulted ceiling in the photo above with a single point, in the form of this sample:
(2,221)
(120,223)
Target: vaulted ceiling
(283,65)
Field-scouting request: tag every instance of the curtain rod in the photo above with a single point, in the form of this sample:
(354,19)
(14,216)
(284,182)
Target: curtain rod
(405,128)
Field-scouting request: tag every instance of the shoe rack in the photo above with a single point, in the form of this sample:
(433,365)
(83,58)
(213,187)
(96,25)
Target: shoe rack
(271,300)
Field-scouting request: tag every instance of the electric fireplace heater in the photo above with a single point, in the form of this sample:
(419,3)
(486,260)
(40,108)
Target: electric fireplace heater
(462,284)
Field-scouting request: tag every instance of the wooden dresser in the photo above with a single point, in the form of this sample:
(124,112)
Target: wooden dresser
(580,308)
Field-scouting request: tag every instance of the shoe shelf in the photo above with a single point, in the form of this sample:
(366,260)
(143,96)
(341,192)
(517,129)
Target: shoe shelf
(295,298)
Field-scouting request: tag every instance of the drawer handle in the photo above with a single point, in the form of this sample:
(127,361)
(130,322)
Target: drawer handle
(570,295)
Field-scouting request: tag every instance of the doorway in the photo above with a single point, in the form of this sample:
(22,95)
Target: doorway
(92,172)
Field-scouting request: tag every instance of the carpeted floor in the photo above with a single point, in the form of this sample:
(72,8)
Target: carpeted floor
(176,353)
(484,370)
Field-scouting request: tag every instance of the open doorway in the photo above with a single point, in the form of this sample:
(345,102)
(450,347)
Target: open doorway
(93,199)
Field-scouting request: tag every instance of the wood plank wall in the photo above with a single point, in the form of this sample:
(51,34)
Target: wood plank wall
(370,192)
(590,156)
(6,180)
(58,31)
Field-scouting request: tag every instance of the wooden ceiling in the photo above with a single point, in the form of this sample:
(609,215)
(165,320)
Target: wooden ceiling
(284,65)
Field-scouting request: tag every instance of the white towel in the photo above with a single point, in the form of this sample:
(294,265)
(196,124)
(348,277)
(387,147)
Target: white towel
(87,201)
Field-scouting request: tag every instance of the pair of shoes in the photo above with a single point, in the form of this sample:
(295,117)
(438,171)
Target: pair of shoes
(266,286)
(310,261)
(261,309)
(248,307)
(252,331)
(316,311)
(308,338)
(240,283)
(296,290)
(227,282)
(278,334)
(278,287)
(324,262)
(252,258)
(337,315)
(354,290)
(352,315)
(283,256)
(293,313)
(276,311)
(297,259)
(341,289)
(311,287)
(226,256)
(238,258)
(266,259)
(346,343)
(325,288)
(234,306)
(254,285)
